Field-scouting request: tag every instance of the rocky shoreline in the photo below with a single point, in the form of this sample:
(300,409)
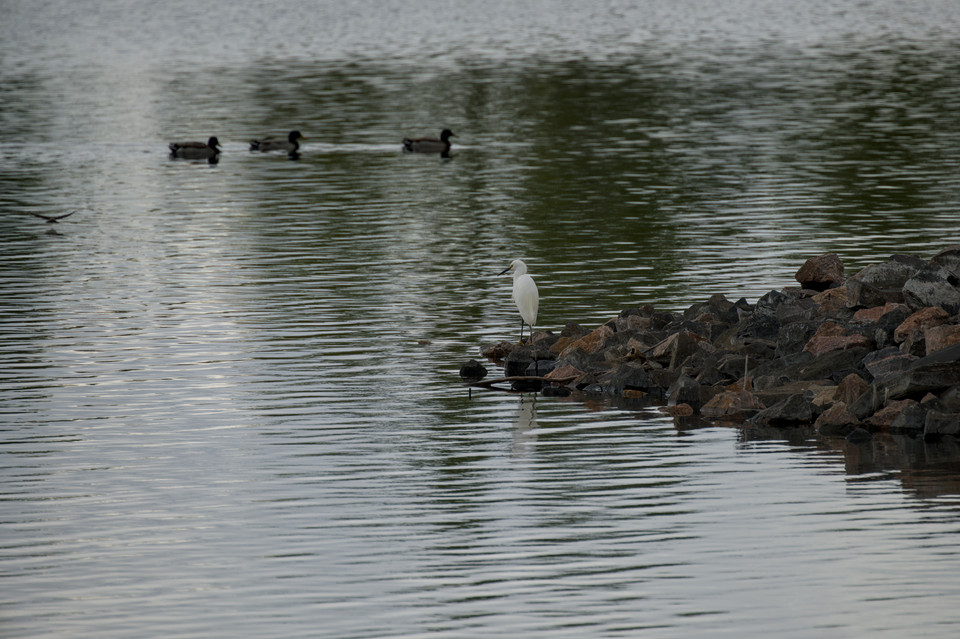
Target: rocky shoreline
(875,351)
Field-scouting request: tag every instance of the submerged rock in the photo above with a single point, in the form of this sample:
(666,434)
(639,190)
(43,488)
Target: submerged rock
(473,370)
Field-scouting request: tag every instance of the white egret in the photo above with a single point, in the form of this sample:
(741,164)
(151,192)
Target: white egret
(525,295)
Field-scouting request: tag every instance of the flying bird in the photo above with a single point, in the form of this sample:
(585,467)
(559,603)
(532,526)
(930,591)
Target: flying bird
(52,219)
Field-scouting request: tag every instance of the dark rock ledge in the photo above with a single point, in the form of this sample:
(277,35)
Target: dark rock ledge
(876,351)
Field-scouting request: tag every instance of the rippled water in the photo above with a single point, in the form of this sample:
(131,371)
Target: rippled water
(229,395)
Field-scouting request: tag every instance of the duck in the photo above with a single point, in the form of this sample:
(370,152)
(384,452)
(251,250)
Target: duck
(196,150)
(290,145)
(429,145)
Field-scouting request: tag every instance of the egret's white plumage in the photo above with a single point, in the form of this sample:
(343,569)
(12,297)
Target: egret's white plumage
(525,295)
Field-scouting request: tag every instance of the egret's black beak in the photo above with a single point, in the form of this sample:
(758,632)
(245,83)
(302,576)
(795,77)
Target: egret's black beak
(505,270)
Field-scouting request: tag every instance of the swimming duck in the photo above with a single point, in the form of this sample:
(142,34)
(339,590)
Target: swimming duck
(290,145)
(429,145)
(195,150)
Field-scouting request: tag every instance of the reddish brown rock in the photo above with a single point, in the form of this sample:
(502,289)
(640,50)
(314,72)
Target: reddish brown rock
(830,329)
(591,342)
(570,333)
(821,272)
(832,337)
(680,410)
(836,420)
(885,416)
(770,396)
(874,314)
(731,405)
(676,348)
(850,389)
(940,337)
(497,352)
(831,301)
(564,372)
(921,320)
(823,397)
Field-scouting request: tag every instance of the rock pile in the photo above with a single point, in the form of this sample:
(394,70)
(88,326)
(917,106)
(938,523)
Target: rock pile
(879,350)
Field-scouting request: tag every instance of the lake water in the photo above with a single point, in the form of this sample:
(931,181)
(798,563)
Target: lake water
(229,395)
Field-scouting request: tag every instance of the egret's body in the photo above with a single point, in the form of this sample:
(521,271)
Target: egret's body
(525,295)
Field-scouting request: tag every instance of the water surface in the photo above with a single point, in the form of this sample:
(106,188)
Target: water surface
(229,392)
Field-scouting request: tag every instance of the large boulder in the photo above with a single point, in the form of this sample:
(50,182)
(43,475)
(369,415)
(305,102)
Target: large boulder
(833,365)
(850,389)
(931,374)
(892,274)
(931,287)
(937,338)
(836,420)
(948,258)
(911,419)
(919,321)
(832,337)
(938,424)
(796,410)
(688,391)
(732,406)
(821,272)
(626,376)
(590,343)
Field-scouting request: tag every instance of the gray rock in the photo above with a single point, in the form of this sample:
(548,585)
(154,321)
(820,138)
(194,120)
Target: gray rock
(688,391)
(910,420)
(859,435)
(863,295)
(868,403)
(892,274)
(731,366)
(950,399)
(834,365)
(886,326)
(921,379)
(794,336)
(939,424)
(796,410)
(768,304)
(948,258)
(473,370)
(931,287)
(540,367)
(521,357)
(888,361)
(627,376)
